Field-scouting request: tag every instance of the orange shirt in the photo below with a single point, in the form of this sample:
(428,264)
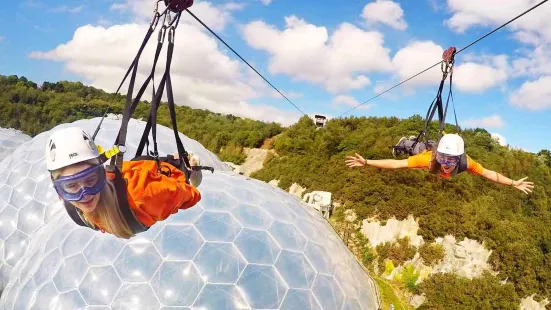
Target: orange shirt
(154,196)
(423,159)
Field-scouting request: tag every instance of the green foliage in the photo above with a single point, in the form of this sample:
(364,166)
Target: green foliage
(367,253)
(33,109)
(431,253)
(448,291)
(233,153)
(389,267)
(398,252)
(409,277)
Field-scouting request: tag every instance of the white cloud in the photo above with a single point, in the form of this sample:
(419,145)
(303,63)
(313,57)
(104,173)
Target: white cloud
(202,76)
(385,12)
(418,56)
(476,74)
(2,38)
(350,101)
(499,138)
(469,13)
(306,52)
(474,77)
(493,121)
(216,17)
(533,95)
(534,62)
(266,2)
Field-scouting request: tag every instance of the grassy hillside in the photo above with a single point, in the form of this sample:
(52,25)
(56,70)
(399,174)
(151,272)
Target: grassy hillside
(25,106)
(514,225)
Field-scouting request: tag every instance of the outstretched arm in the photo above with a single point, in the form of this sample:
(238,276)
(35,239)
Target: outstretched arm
(359,161)
(520,184)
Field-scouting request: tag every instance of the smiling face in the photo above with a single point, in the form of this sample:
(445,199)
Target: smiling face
(88,202)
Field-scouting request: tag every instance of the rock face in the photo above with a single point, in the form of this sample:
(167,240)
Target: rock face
(529,303)
(296,190)
(392,230)
(466,258)
(245,245)
(254,162)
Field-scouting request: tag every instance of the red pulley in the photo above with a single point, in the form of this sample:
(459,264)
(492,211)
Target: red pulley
(448,54)
(178,5)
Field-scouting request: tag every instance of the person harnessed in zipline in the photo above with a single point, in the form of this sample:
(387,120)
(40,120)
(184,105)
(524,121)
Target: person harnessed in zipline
(450,158)
(125,198)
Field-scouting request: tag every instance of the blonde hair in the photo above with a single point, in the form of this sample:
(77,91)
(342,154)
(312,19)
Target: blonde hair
(107,212)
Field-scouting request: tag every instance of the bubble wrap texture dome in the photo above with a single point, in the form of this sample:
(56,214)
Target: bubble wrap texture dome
(245,245)
(10,139)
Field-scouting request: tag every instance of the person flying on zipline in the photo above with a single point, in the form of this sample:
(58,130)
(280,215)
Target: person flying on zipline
(82,182)
(125,198)
(448,160)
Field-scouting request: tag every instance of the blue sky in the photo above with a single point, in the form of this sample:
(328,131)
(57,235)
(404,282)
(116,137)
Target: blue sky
(488,74)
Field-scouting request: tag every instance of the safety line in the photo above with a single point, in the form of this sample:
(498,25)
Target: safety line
(207,27)
(436,64)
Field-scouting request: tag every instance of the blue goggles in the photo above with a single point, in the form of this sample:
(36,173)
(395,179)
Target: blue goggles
(87,182)
(447,160)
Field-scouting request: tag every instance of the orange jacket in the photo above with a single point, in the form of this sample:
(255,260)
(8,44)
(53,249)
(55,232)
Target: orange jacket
(423,160)
(154,196)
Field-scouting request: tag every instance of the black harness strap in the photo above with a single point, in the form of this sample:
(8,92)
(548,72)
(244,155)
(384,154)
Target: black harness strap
(447,68)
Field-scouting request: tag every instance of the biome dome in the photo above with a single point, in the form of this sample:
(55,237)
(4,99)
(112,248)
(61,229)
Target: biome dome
(10,139)
(245,245)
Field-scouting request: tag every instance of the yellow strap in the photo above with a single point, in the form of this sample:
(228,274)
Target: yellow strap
(108,153)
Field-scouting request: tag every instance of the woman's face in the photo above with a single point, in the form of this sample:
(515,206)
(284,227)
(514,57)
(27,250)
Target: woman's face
(88,203)
(447,169)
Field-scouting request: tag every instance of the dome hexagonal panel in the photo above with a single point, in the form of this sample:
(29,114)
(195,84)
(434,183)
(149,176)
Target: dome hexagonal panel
(263,286)
(138,261)
(177,283)
(10,139)
(168,242)
(220,262)
(245,245)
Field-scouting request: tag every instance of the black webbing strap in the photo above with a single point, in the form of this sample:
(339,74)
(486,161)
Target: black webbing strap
(121,137)
(148,79)
(120,187)
(447,68)
(181,150)
(152,121)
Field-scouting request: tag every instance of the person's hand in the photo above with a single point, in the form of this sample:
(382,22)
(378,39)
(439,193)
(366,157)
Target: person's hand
(355,161)
(524,186)
(193,160)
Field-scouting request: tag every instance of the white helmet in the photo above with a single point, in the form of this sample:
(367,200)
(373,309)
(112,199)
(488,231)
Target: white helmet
(69,146)
(451,144)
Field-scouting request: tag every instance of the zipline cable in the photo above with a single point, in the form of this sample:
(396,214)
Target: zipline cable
(221,40)
(436,64)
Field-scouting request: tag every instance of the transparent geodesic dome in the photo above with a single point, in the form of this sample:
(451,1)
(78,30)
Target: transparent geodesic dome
(245,245)
(10,139)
